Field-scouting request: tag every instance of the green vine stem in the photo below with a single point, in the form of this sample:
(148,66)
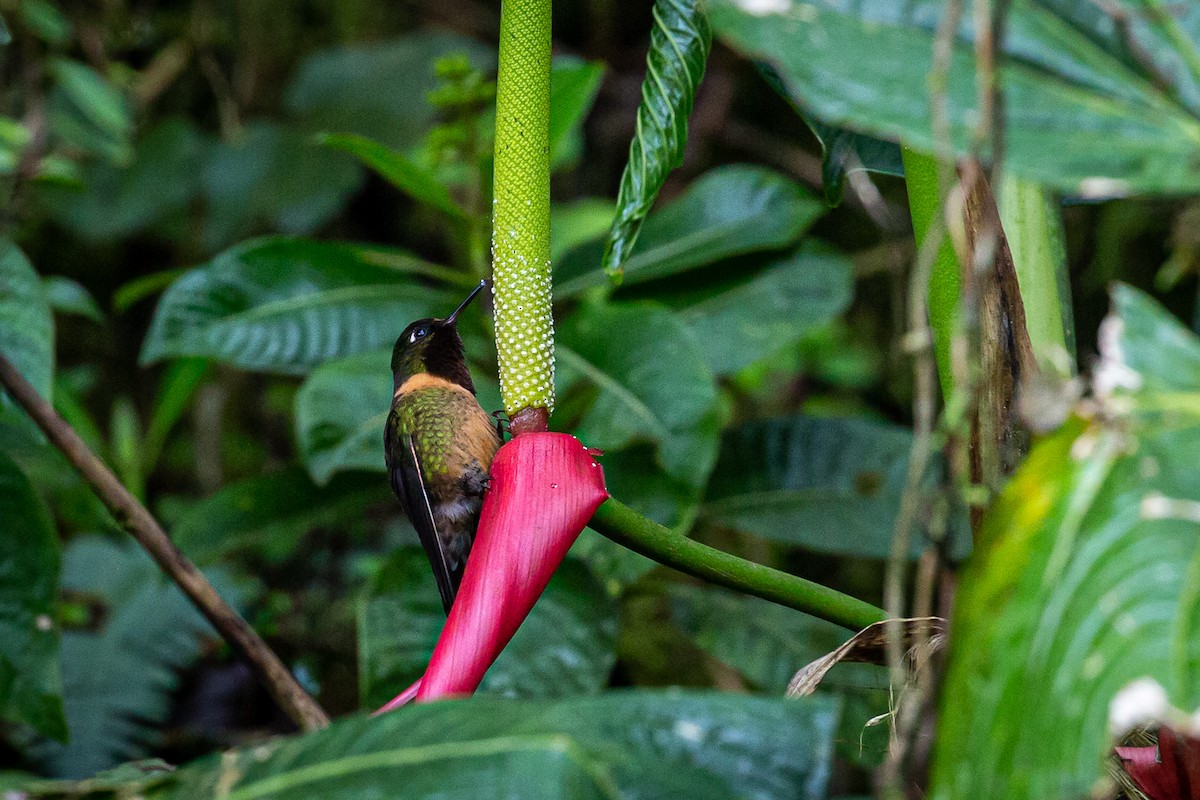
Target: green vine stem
(626,527)
(521,216)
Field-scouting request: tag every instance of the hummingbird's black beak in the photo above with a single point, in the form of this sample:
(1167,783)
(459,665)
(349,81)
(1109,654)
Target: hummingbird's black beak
(453,317)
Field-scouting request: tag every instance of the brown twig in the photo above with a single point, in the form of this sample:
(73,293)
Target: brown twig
(135,519)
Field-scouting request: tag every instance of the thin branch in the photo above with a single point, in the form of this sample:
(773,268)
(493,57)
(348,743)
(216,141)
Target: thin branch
(626,527)
(135,519)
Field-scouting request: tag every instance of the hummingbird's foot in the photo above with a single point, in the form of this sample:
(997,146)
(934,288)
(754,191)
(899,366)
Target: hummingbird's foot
(502,425)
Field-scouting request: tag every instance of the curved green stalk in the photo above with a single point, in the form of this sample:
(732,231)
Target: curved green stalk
(626,527)
(521,213)
(945,280)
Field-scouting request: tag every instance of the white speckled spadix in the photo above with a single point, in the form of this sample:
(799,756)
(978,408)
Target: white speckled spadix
(521,210)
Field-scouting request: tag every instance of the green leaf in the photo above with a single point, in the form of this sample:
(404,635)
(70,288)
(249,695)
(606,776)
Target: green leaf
(398,170)
(757,319)
(26,325)
(572,224)
(573,87)
(69,297)
(119,680)
(679,45)
(179,384)
(30,682)
(339,88)
(341,410)
(565,647)
(163,178)
(844,152)
(275,175)
(285,305)
(651,384)
(130,293)
(727,212)
(1069,75)
(768,644)
(270,514)
(830,485)
(636,745)
(46,22)
(89,112)
(1085,578)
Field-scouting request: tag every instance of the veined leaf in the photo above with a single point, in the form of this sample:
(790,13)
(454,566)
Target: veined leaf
(768,643)
(651,384)
(272,513)
(341,411)
(1070,74)
(758,318)
(679,44)
(285,305)
(26,325)
(566,647)
(827,484)
(30,681)
(398,169)
(1085,578)
(727,212)
(638,745)
(118,681)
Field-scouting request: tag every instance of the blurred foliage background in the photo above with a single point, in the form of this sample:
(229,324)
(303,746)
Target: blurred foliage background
(233,208)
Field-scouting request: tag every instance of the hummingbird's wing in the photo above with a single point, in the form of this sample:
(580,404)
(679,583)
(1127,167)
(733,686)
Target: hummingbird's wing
(408,483)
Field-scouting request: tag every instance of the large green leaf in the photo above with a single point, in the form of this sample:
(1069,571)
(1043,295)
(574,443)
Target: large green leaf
(825,483)
(679,44)
(118,680)
(768,643)
(26,325)
(270,514)
(633,745)
(565,647)
(651,384)
(164,176)
(339,88)
(30,682)
(276,176)
(1085,579)
(341,411)
(727,212)
(286,305)
(1074,74)
(757,319)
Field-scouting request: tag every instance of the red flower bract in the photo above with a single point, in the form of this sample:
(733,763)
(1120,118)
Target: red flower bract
(544,489)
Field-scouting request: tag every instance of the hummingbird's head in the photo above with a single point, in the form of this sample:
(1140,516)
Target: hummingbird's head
(433,346)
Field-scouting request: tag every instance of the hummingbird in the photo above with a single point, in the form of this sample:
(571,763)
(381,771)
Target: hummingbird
(439,444)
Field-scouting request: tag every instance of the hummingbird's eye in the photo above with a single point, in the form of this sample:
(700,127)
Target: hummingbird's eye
(419,333)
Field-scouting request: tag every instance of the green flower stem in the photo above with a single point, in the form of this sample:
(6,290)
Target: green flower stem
(521,216)
(626,527)
(945,280)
